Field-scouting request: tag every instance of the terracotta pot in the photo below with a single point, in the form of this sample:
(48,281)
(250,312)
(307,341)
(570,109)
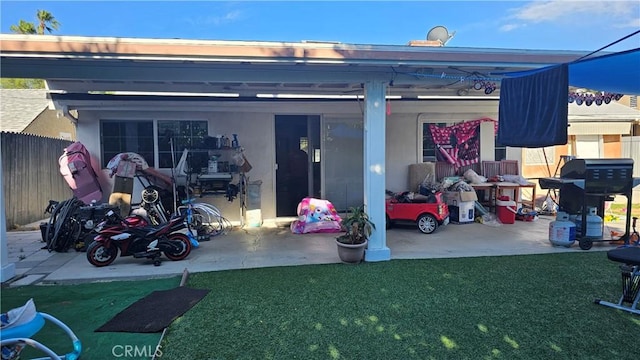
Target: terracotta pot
(351,253)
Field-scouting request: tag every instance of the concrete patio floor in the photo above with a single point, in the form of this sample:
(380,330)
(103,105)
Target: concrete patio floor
(277,246)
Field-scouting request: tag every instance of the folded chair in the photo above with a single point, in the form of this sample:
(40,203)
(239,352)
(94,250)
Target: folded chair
(490,168)
(20,324)
(630,268)
(444,169)
(509,167)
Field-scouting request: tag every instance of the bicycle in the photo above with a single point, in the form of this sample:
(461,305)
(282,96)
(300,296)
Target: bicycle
(206,219)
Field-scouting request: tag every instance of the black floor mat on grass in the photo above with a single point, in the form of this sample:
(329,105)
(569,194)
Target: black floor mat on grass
(155,311)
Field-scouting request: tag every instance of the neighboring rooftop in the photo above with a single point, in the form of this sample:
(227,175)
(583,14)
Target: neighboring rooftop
(612,112)
(19,107)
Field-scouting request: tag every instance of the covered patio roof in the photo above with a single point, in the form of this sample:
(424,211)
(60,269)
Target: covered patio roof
(247,70)
(98,64)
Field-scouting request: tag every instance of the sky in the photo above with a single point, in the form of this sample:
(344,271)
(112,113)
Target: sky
(552,25)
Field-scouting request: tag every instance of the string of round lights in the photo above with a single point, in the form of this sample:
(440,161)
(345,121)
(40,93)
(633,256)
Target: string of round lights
(590,98)
(488,86)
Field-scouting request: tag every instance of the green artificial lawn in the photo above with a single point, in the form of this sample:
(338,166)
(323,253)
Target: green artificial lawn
(512,307)
(84,308)
(621,210)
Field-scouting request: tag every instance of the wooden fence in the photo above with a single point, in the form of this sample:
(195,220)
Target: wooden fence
(31,176)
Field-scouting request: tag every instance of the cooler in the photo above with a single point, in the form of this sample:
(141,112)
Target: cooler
(506,210)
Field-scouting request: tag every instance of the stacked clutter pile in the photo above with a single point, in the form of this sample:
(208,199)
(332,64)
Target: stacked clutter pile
(461,199)
(459,196)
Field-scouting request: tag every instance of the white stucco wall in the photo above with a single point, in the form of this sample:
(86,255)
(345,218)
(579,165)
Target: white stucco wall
(254,124)
(402,142)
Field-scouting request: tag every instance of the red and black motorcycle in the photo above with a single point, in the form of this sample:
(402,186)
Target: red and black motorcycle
(132,236)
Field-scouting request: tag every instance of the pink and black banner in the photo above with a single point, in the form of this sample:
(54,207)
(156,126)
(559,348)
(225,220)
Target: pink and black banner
(459,144)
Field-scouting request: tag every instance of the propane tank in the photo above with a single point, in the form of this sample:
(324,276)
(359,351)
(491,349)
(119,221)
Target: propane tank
(562,232)
(594,224)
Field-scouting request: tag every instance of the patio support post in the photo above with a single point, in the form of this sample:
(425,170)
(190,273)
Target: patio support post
(8,269)
(374,168)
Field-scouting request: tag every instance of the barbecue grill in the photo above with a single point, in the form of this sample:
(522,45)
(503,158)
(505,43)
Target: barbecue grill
(585,183)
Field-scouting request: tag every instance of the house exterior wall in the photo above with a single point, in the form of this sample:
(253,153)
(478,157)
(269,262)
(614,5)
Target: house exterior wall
(255,133)
(537,168)
(255,126)
(48,124)
(401,130)
(630,100)
(612,148)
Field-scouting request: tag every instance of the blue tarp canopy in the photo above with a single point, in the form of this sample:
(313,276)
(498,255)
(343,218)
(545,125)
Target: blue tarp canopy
(616,73)
(533,104)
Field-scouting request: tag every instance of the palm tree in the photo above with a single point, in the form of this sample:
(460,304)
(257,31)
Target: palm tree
(23,27)
(46,21)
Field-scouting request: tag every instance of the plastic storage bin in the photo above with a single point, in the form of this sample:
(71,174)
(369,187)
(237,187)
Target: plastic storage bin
(254,208)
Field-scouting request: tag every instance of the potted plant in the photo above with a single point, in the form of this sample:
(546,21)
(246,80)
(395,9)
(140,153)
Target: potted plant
(358,227)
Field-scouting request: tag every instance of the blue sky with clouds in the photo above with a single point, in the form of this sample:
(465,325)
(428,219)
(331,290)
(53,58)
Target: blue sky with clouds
(555,25)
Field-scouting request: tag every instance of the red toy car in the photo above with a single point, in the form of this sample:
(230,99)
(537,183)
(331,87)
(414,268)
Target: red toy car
(428,213)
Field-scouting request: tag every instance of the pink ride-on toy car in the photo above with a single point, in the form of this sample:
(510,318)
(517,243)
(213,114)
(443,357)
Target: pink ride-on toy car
(428,212)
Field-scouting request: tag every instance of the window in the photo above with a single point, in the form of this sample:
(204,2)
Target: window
(126,136)
(429,153)
(500,151)
(185,134)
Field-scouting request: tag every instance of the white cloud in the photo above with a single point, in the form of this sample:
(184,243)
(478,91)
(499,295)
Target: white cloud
(509,27)
(633,23)
(539,11)
(216,20)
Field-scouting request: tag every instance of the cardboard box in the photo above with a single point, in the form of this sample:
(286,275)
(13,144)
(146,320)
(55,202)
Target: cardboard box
(463,213)
(456,197)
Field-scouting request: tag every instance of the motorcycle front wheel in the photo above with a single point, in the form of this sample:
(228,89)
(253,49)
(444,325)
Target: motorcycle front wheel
(181,241)
(100,255)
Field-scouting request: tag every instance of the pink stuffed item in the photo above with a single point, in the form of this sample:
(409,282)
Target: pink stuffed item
(75,167)
(316,216)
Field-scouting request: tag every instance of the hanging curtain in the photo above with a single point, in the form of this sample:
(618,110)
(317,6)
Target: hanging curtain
(533,110)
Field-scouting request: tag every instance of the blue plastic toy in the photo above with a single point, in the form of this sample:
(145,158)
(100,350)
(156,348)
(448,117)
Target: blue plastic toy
(20,324)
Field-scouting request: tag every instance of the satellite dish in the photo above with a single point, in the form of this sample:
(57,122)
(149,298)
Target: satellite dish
(440,33)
